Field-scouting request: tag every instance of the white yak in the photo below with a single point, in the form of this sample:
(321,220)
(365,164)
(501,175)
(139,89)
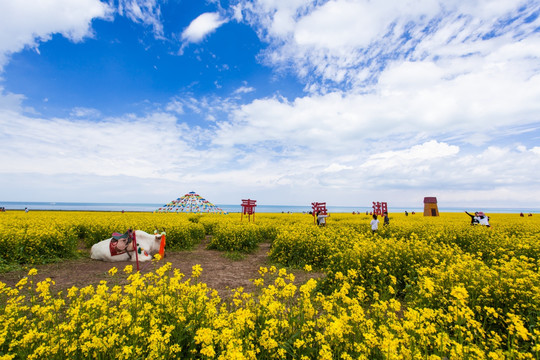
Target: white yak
(119,247)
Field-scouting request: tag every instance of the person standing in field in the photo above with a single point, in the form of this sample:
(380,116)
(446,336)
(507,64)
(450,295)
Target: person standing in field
(386,219)
(474,218)
(483,219)
(374,224)
(321,219)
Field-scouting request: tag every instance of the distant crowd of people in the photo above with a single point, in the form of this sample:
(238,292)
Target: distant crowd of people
(478,218)
(371,213)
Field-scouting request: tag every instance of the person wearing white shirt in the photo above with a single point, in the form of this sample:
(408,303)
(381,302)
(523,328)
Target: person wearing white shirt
(321,219)
(374,224)
(484,220)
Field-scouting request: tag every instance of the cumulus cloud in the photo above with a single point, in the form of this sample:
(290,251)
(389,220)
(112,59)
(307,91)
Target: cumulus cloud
(26,24)
(202,26)
(346,42)
(142,147)
(377,70)
(407,158)
(470,107)
(159,151)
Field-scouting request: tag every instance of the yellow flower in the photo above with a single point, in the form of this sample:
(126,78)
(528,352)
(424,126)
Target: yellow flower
(162,270)
(72,292)
(308,268)
(22,282)
(128,269)
(113,270)
(459,292)
(517,326)
(126,351)
(196,271)
(32,272)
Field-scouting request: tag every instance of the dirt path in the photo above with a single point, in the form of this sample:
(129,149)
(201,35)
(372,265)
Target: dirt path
(219,272)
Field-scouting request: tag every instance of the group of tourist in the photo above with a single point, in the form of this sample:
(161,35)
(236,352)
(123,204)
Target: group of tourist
(479,218)
(375,222)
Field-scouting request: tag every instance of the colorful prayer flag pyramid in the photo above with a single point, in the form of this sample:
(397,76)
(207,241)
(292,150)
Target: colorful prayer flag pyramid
(191,203)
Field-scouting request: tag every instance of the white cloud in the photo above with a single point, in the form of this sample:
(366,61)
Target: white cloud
(351,24)
(200,27)
(157,156)
(237,13)
(129,146)
(440,166)
(416,154)
(175,106)
(244,90)
(336,168)
(82,112)
(272,18)
(27,24)
(411,99)
(147,12)
(348,42)
(24,23)
(9,102)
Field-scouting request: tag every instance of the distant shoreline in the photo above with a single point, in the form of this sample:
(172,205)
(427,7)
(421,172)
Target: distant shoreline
(146,207)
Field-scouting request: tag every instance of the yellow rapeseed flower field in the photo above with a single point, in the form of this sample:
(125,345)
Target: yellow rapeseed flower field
(419,288)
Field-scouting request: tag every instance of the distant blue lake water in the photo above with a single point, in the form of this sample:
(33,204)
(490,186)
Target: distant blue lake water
(146,207)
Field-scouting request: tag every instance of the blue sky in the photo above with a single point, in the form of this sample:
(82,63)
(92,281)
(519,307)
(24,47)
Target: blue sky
(283,101)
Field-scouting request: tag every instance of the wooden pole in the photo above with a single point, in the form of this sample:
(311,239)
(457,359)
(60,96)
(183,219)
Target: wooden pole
(136,250)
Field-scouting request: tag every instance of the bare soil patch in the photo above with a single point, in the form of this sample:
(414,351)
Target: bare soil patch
(219,272)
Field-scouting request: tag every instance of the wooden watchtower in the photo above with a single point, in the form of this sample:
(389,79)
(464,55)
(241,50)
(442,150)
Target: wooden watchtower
(430,206)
